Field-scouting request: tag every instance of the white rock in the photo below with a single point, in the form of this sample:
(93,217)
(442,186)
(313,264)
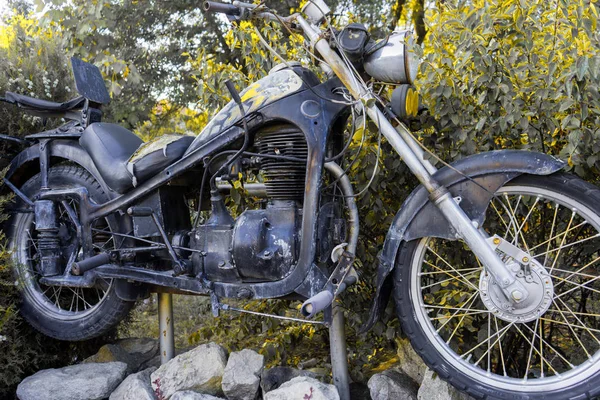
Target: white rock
(135,387)
(242,375)
(274,377)
(392,385)
(301,388)
(200,369)
(434,388)
(190,395)
(76,382)
(409,361)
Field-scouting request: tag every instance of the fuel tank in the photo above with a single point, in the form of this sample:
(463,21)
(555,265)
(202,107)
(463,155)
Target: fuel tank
(279,83)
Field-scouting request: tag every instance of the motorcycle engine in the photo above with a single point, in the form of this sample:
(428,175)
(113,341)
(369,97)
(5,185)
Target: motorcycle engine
(261,244)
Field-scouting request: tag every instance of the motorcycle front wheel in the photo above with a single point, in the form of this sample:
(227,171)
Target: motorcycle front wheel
(63,312)
(465,330)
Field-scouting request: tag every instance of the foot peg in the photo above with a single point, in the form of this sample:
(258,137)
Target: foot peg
(80,267)
(316,304)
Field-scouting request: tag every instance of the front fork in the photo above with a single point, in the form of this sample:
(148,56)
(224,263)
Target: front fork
(465,229)
(406,146)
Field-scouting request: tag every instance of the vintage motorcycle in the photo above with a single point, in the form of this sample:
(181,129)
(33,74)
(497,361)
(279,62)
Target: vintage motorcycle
(491,260)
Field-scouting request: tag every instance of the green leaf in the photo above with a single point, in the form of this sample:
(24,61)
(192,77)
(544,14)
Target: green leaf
(565,104)
(480,123)
(582,67)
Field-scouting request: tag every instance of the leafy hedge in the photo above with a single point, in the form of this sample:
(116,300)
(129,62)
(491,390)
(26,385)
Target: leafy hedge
(515,74)
(496,74)
(32,62)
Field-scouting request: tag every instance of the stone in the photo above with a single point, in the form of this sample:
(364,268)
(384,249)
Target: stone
(434,388)
(135,352)
(409,361)
(200,369)
(135,387)
(359,391)
(273,378)
(241,378)
(142,346)
(191,395)
(155,361)
(302,388)
(112,353)
(392,385)
(76,382)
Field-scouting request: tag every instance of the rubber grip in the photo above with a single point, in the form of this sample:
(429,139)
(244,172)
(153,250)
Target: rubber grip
(79,267)
(216,7)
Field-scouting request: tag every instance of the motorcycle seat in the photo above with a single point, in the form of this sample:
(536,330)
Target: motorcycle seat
(32,103)
(124,160)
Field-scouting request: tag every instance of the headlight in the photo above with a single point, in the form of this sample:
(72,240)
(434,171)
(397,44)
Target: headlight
(394,62)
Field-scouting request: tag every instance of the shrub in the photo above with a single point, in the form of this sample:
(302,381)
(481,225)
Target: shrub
(32,62)
(514,74)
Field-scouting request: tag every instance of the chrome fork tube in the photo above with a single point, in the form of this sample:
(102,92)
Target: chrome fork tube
(412,156)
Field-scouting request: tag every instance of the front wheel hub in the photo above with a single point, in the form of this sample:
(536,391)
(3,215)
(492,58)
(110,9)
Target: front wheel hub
(538,284)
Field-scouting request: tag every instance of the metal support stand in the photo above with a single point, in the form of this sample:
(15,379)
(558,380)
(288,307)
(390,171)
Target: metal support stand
(339,356)
(165,325)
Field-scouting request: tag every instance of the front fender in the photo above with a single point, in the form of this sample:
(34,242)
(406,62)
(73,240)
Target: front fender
(418,217)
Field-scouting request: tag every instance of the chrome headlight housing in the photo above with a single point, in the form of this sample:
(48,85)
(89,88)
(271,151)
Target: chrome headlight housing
(394,62)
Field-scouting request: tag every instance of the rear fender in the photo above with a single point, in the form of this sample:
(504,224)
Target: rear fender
(418,217)
(27,164)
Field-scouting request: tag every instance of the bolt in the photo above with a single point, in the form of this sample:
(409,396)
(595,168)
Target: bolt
(506,282)
(496,240)
(517,295)
(525,259)
(221,264)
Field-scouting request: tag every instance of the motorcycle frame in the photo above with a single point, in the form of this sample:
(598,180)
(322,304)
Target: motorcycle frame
(305,279)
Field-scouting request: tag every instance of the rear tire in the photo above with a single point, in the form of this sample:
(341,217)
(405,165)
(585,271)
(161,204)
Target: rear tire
(454,343)
(61,312)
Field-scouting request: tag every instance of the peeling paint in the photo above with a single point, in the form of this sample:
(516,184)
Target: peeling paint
(265,91)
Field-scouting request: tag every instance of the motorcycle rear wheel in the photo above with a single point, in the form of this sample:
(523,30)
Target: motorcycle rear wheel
(550,349)
(61,312)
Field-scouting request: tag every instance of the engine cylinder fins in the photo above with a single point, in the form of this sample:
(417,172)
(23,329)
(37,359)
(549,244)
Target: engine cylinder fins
(284,179)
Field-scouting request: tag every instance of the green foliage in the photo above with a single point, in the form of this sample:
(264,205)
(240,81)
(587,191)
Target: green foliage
(150,50)
(32,62)
(496,74)
(515,74)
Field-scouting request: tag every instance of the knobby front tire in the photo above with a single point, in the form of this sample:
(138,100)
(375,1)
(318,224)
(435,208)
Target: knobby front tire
(543,350)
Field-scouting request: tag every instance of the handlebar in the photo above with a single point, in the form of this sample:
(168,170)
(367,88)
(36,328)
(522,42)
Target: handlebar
(241,11)
(216,7)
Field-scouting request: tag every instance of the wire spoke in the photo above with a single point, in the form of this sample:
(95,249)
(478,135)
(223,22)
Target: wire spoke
(500,334)
(567,245)
(577,286)
(451,267)
(500,348)
(543,341)
(549,241)
(468,301)
(460,321)
(537,321)
(562,242)
(578,320)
